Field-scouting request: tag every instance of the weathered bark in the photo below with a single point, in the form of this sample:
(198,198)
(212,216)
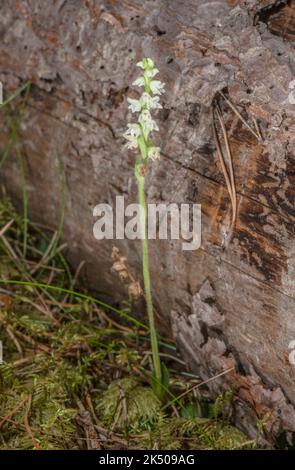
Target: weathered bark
(228,306)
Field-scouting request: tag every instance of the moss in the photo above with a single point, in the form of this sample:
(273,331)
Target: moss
(129,406)
(195,433)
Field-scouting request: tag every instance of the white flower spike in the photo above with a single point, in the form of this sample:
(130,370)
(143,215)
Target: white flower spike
(134,105)
(147,123)
(157,87)
(152,73)
(138,134)
(154,153)
(131,135)
(139,81)
(145,64)
(131,142)
(133,129)
(150,102)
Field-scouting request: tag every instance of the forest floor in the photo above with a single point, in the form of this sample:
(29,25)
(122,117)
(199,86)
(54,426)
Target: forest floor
(75,372)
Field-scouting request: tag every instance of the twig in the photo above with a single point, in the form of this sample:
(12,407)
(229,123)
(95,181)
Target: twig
(8,247)
(90,404)
(113,322)
(236,111)
(108,435)
(223,165)
(230,164)
(27,424)
(257,128)
(15,94)
(43,309)
(77,273)
(91,434)
(17,345)
(23,360)
(197,386)
(33,342)
(12,412)
(6,227)
(45,255)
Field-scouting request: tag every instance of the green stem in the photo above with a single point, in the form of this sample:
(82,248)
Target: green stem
(42,285)
(140,170)
(14,127)
(15,94)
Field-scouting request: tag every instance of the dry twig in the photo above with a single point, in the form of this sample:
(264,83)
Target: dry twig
(27,423)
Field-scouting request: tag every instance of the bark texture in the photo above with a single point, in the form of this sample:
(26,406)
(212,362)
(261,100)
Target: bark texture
(230,304)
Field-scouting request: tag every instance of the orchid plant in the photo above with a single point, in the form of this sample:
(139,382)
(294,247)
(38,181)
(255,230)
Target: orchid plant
(139,137)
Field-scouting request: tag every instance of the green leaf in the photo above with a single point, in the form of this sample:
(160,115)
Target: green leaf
(161,388)
(190,411)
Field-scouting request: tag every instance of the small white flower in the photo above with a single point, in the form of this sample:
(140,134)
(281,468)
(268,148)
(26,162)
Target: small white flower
(140,64)
(146,63)
(151,73)
(139,82)
(154,153)
(131,135)
(157,87)
(148,124)
(133,129)
(150,102)
(134,105)
(131,142)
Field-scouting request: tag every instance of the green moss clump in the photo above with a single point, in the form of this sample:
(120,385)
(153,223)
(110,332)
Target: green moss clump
(129,406)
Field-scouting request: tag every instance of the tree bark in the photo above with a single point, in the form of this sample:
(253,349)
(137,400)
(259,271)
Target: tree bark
(231,303)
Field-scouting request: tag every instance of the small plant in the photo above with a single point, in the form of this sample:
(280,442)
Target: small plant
(262,422)
(138,136)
